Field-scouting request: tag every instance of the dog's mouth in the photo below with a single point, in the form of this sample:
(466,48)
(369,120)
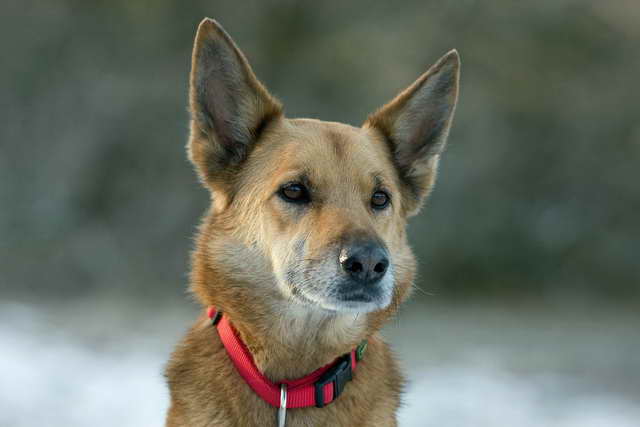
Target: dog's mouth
(344,297)
(332,284)
(361,300)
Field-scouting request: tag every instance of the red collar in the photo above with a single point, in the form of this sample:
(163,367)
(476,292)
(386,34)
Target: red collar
(320,387)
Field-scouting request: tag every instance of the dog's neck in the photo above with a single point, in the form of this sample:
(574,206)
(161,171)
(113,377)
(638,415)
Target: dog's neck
(293,341)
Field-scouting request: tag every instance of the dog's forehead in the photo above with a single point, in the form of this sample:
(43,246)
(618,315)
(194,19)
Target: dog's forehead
(330,151)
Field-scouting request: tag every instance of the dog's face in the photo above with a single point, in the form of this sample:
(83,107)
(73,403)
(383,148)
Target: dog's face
(320,207)
(327,199)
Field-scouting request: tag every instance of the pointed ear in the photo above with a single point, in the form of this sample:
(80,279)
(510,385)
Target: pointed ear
(416,123)
(229,106)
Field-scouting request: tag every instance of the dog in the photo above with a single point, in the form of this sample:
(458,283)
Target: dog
(303,254)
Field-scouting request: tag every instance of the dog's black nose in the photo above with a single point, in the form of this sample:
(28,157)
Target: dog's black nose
(365,262)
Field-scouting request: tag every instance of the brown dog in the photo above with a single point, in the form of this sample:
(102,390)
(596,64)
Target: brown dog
(304,249)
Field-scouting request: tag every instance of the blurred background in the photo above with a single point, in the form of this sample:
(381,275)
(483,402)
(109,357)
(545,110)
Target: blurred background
(529,247)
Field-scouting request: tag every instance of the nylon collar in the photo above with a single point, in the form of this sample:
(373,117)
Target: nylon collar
(319,388)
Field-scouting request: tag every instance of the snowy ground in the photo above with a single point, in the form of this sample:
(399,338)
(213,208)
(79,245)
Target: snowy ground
(100,364)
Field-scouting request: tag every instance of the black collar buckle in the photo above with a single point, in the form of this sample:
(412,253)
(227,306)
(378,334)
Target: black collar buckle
(216,318)
(339,375)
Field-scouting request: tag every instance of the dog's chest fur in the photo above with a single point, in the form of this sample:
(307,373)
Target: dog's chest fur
(208,391)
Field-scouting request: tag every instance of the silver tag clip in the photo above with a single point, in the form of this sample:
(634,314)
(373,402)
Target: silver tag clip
(282,411)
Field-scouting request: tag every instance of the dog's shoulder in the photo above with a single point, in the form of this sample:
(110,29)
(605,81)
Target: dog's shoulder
(205,387)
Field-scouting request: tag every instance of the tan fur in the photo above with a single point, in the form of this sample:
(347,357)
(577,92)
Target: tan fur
(250,239)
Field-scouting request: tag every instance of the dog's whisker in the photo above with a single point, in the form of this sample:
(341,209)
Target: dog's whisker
(424,292)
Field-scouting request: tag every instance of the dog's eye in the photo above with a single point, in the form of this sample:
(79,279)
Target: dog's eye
(295,193)
(379,200)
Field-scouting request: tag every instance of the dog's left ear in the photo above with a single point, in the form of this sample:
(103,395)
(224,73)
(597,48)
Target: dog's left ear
(416,124)
(229,106)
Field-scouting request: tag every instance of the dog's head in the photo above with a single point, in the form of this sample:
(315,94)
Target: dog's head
(314,211)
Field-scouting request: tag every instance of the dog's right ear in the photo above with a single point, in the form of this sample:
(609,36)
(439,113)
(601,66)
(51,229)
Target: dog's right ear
(229,106)
(415,125)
